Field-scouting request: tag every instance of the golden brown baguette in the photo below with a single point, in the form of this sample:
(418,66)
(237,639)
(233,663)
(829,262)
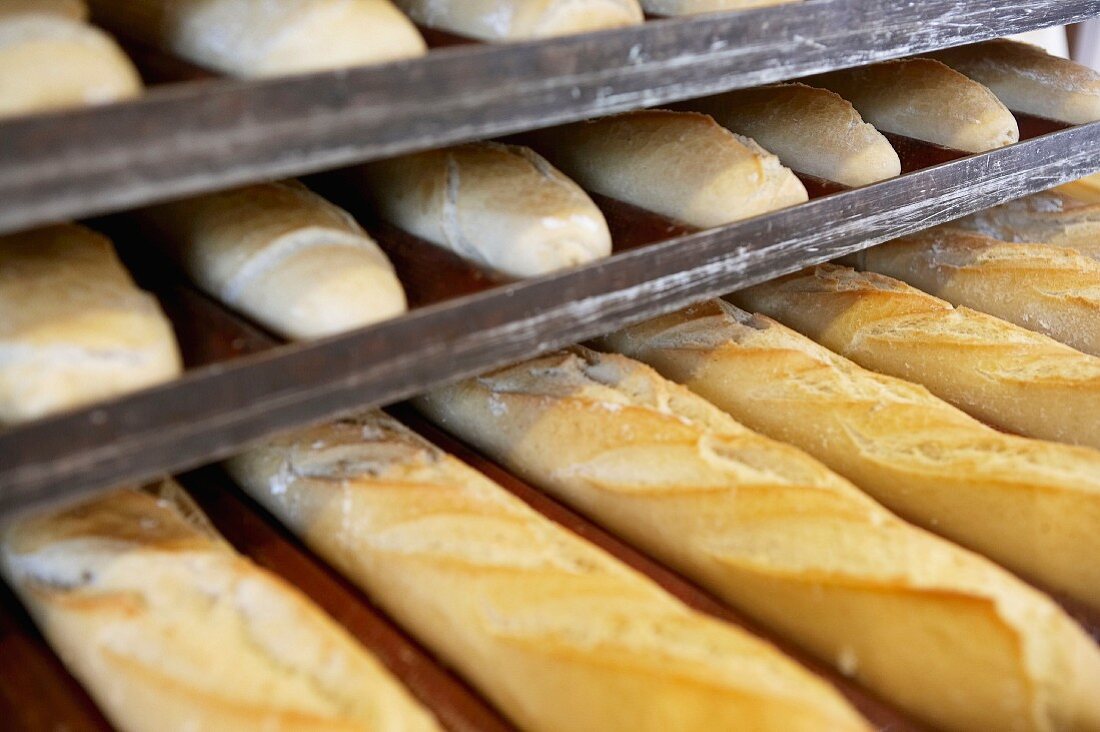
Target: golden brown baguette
(1004,375)
(679,164)
(556,633)
(1032,506)
(248,38)
(74,328)
(1047,289)
(939,631)
(1028,79)
(925,100)
(282,255)
(693,7)
(1050,217)
(811,130)
(501,206)
(50,58)
(169,629)
(516,20)
(1084,190)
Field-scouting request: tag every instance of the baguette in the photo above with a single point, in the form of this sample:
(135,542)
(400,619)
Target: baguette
(1028,79)
(1051,290)
(1082,190)
(926,100)
(941,632)
(282,255)
(811,130)
(50,58)
(516,20)
(169,629)
(1031,506)
(1050,217)
(559,635)
(501,206)
(1004,375)
(694,7)
(250,38)
(679,164)
(74,328)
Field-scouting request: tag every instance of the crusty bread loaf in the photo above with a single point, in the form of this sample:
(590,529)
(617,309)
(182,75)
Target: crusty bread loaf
(811,130)
(1007,376)
(1032,506)
(693,7)
(501,206)
(73,326)
(248,38)
(514,20)
(51,59)
(559,635)
(1083,190)
(169,629)
(679,164)
(926,100)
(1028,79)
(939,631)
(1050,217)
(1048,289)
(282,255)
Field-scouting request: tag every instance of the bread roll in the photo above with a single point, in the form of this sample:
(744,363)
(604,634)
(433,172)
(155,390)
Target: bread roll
(679,164)
(1051,217)
(516,20)
(559,635)
(1051,290)
(169,629)
(74,328)
(812,131)
(925,100)
(694,7)
(251,38)
(1032,506)
(1028,79)
(1004,375)
(937,630)
(51,59)
(283,256)
(501,206)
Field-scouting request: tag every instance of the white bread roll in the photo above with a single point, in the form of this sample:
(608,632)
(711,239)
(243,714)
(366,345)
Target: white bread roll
(51,59)
(169,629)
(925,100)
(811,130)
(1051,217)
(679,164)
(500,206)
(559,635)
(939,631)
(1004,375)
(1032,506)
(516,20)
(694,7)
(1028,79)
(74,328)
(1047,289)
(283,256)
(257,38)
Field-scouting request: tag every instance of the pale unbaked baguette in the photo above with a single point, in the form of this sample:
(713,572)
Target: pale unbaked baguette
(941,632)
(1050,217)
(515,20)
(169,629)
(1028,79)
(693,7)
(680,164)
(282,255)
(811,130)
(559,635)
(1048,289)
(1003,374)
(74,328)
(925,100)
(257,38)
(50,58)
(501,206)
(1032,506)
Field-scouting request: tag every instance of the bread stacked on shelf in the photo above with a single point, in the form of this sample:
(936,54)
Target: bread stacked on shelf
(516,20)
(1051,217)
(51,58)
